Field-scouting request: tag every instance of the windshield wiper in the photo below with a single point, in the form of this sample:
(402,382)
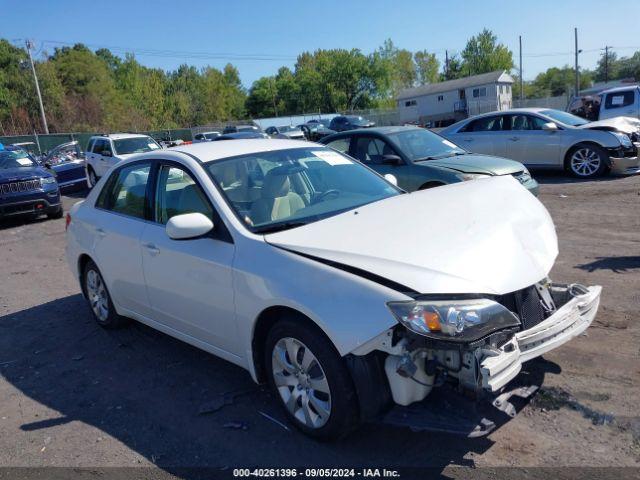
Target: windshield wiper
(278,227)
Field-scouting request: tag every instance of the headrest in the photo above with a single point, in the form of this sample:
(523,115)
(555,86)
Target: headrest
(276,184)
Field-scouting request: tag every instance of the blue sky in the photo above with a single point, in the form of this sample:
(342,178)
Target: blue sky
(260,36)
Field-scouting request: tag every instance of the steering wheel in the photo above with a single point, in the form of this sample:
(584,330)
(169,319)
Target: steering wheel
(328,193)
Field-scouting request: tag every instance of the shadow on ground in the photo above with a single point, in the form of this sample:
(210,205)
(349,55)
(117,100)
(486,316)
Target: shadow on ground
(550,176)
(149,391)
(615,264)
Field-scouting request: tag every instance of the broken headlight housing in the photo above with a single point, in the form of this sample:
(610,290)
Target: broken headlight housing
(457,320)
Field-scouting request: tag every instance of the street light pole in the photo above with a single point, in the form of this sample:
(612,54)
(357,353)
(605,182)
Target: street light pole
(35,77)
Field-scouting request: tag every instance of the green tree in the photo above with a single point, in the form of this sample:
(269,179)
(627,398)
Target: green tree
(427,67)
(483,54)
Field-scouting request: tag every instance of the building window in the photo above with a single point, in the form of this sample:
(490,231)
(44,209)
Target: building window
(440,98)
(480,92)
(410,103)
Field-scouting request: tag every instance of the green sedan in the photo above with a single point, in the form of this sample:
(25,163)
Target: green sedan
(420,159)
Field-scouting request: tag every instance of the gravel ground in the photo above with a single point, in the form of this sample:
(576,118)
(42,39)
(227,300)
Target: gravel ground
(74,395)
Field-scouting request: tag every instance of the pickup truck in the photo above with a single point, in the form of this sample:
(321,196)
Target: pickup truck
(611,103)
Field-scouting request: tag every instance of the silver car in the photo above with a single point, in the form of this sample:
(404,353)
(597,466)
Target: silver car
(547,138)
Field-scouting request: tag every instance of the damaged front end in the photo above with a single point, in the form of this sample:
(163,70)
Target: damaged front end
(478,345)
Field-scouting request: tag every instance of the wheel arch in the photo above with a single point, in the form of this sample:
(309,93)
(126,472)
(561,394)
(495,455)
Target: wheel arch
(83,259)
(265,320)
(573,147)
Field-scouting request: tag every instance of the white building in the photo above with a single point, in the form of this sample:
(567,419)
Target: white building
(445,102)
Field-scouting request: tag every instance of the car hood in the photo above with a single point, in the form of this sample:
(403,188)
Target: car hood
(22,173)
(474,163)
(489,236)
(621,124)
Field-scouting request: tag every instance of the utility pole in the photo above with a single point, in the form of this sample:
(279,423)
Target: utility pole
(606,64)
(446,64)
(577,92)
(521,82)
(35,77)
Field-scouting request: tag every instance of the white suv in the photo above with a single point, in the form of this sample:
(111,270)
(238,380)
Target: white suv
(104,151)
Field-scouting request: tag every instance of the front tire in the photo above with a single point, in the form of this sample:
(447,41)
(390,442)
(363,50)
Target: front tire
(59,213)
(587,161)
(99,299)
(92,178)
(311,380)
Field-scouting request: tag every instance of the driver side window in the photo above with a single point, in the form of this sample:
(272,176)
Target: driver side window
(177,193)
(372,150)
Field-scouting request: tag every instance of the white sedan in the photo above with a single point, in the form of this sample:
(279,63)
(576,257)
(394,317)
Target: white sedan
(548,138)
(322,278)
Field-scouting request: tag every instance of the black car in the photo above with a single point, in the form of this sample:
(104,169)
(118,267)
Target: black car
(342,123)
(67,161)
(240,136)
(26,188)
(241,128)
(314,130)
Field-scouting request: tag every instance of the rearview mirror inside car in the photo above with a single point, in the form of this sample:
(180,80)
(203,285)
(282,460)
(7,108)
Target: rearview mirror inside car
(549,126)
(188,226)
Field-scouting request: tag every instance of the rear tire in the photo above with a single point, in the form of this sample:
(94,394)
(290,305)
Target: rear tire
(98,297)
(587,161)
(310,380)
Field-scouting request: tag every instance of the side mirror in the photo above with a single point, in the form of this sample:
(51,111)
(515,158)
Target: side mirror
(549,126)
(188,225)
(391,179)
(391,160)
(107,153)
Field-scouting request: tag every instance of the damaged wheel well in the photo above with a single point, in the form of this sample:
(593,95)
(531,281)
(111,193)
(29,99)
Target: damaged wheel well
(265,321)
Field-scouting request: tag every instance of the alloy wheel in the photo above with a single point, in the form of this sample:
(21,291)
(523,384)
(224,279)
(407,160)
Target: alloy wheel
(585,162)
(301,382)
(97,295)
(92,178)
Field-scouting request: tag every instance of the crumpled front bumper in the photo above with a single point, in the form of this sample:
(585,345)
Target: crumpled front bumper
(625,165)
(498,367)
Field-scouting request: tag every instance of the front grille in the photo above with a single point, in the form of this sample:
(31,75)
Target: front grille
(17,187)
(525,303)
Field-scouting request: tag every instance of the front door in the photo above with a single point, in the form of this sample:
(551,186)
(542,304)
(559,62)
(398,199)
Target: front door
(372,150)
(528,143)
(189,282)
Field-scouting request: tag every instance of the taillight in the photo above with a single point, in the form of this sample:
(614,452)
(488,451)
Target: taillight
(67,221)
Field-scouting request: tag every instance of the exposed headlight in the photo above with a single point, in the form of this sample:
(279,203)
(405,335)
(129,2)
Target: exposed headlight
(623,138)
(47,180)
(472,176)
(459,320)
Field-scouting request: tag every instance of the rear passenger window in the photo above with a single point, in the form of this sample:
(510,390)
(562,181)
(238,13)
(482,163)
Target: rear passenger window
(485,124)
(178,193)
(619,99)
(125,191)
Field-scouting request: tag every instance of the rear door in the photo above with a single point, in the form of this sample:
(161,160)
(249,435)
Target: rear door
(483,135)
(120,217)
(189,282)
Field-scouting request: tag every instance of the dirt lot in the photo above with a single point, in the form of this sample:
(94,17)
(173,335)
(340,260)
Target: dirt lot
(72,394)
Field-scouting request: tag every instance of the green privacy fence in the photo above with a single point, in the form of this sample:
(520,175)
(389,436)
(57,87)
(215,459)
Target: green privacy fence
(44,143)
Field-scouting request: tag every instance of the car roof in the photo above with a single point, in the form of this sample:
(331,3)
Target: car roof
(211,151)
(119,136)
(380,130)
(619,89)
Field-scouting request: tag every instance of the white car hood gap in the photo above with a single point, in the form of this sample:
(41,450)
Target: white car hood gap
(484,236)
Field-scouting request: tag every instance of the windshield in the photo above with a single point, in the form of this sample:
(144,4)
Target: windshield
(564,117)
(276,190)
(15,159)
(125,146)
(420,144)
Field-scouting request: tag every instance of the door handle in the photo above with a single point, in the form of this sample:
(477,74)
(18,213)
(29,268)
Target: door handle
(514,139)
(100,232)
(152,249)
